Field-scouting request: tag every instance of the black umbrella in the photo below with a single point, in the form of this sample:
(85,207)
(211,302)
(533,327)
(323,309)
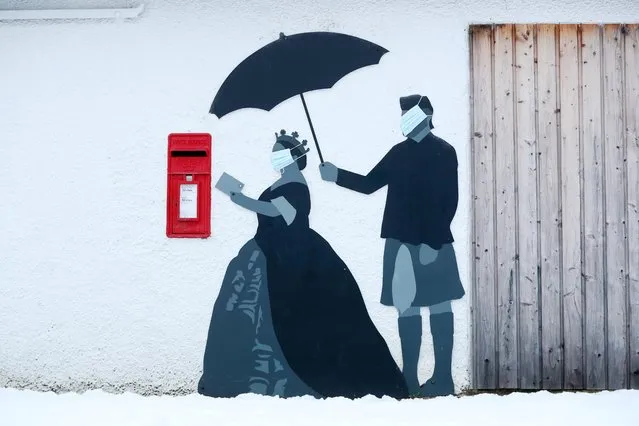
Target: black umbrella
(292,66)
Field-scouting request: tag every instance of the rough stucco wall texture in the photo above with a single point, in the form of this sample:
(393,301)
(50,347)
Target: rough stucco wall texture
(92,293)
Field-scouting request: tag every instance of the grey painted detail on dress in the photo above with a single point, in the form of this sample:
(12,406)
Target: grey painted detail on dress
(285,208)
(246,300)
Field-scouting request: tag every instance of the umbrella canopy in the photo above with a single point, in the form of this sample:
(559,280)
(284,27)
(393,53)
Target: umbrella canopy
(293,65)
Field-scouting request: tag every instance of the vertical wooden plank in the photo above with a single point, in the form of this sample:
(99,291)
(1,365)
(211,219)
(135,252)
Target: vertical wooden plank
(571,208)
(615,206)
(484,228)
(591,132)
(549,215)
(632,164)
(526,141)
(506,223)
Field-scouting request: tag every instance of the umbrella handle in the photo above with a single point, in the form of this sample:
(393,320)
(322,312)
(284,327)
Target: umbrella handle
(308,117)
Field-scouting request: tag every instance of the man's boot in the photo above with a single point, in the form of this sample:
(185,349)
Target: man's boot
(441,383)
(410,334)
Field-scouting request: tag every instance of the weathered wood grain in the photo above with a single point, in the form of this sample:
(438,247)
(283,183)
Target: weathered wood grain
(506,208)
(571,208)
(593,265)
(549,196)
(526,142)
(615,206)
(484,309)
(555,112)
(632,166)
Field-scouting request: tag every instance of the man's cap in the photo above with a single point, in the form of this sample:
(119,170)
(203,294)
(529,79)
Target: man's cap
(407,102)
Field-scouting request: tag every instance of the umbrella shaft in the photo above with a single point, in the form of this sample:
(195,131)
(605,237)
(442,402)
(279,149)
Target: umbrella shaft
(308,117)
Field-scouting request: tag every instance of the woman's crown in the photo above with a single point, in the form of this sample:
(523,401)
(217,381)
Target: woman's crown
(292,138)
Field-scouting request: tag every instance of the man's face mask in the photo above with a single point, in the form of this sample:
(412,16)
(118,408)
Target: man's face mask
(284,158)
(412,118)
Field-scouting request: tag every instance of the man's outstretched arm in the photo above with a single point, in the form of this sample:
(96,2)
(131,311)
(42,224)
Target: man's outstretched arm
(374,180)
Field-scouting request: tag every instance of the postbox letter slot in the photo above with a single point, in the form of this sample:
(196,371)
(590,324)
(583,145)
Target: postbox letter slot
(188,153)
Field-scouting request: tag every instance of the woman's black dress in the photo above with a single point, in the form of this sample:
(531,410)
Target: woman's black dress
(312,316)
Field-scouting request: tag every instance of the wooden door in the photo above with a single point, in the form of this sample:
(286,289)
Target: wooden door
(555,148)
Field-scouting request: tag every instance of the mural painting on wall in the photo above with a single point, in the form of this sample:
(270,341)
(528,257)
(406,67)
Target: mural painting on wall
(420,267)
(290,319)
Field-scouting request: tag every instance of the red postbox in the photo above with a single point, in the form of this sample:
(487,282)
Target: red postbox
(188,198)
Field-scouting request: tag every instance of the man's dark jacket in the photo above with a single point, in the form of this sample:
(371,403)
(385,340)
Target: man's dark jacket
(422,190)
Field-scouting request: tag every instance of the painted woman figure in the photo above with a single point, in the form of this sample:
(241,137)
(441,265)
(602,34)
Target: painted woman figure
(290,319)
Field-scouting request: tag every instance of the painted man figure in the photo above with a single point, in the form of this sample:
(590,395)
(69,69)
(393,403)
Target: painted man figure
(420,268)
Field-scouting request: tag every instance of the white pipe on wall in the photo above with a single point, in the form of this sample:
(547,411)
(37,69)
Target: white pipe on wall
(24,15)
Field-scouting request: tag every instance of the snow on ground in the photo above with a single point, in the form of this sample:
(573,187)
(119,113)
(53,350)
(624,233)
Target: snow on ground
(97,408)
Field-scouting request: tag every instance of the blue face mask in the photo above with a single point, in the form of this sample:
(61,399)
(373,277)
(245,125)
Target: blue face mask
(412,118)
(284,158)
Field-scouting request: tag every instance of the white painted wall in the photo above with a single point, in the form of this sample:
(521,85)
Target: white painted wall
(92,293)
